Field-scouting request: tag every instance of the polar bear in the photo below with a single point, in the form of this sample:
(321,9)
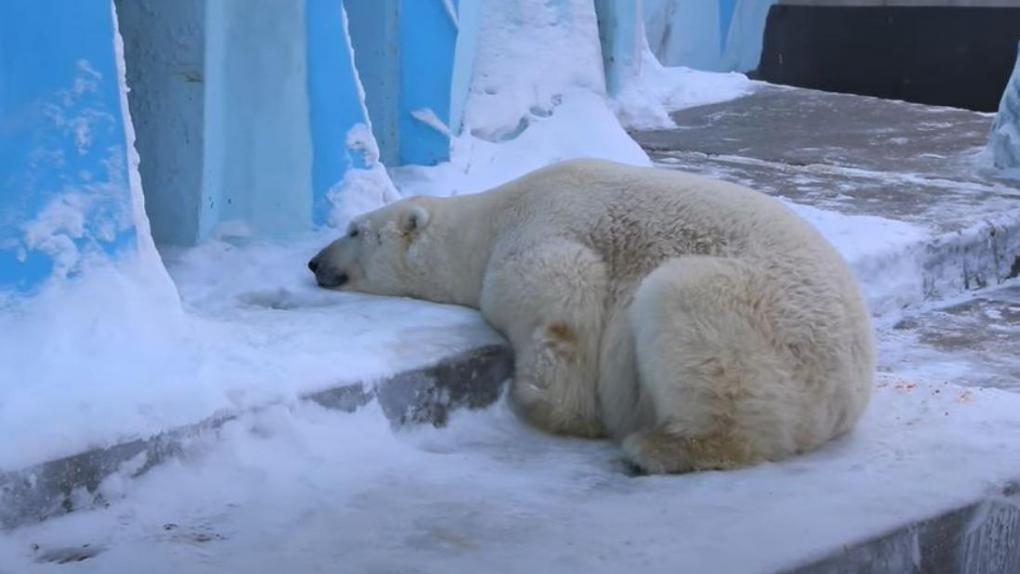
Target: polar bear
(700,323)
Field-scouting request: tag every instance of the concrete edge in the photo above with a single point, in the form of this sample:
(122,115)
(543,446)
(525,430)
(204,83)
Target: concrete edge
(979,537)
(471,379)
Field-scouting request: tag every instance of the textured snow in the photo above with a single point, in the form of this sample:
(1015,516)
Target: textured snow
(530,53)
(581,125)
(300,489)
(886,255)
(100,360)
(366,185)
(646,101)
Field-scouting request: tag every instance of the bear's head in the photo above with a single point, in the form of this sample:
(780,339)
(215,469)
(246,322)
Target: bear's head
(381,252)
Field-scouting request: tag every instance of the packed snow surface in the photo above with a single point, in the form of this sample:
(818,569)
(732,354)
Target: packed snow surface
(300,489)
(256,330)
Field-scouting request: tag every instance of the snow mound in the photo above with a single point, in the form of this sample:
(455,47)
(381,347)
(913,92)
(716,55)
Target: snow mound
(645,101)
(529,54)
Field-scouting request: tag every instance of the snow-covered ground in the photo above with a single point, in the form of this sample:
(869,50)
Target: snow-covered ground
(256,330)
(298,488)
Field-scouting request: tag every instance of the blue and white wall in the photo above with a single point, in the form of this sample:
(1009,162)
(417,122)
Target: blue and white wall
(712,35)
(66,197)
(248,113)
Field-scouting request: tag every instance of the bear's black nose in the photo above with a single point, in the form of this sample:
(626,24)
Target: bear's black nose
(313,265)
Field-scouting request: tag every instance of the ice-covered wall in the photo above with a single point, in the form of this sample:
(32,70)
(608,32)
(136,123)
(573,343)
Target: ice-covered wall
(714,35)
(164,45)
(1005,139)
(243,109)
(65,193)
(258,168)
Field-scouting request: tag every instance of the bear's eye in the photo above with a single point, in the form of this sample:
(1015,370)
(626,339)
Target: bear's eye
(353,233)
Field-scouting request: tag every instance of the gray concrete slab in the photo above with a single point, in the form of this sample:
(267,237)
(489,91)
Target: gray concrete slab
(852,154)
(473,379)
(975,342)
(982,537)
(859,155)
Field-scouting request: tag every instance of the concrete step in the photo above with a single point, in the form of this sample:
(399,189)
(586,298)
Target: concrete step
(918,165)
(973,342)
(980,537)
(426,395)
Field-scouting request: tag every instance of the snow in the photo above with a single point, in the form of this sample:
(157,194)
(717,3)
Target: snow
(110,362)
(580,125)
(297,488)
(364,187)
(294,487)
(646,101)
(529,54)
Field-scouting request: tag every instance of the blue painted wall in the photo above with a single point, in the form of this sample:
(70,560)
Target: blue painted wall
(335,100)
(258,168)
(64,192)
(406,54)
(714,35)
(428,39)
(242,109)
(374,36)
(164,49)
(620,28)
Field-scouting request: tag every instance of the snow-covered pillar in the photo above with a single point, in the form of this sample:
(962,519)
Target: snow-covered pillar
(621,32)
(66,197)
(1005,139)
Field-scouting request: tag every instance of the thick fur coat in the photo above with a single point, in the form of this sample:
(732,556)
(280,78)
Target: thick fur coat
(700,323)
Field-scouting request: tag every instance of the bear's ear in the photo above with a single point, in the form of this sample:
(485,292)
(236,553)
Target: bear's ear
(413,218)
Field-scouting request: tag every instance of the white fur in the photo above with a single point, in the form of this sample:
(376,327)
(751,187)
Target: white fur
(702,324)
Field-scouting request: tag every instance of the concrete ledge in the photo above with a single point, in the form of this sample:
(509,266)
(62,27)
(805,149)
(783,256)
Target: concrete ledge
(862,156)
(982,537)
(473,379)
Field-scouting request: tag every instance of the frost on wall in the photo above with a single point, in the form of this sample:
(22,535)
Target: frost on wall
(529,54)
(1005,139)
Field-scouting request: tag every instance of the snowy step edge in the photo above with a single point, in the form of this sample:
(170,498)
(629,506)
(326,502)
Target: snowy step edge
(471,379)
(981,536)
(941,266)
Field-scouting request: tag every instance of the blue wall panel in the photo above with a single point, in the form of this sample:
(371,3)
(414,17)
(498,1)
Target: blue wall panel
(335,104)
(64,193)
(428,39)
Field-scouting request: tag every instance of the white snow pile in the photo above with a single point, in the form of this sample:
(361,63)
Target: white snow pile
(530,53)
(537,97)
(645,101)
(300,489)
(362,189)
(100,361)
